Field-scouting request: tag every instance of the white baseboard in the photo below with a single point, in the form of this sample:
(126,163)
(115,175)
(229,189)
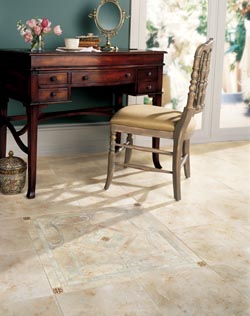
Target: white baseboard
(66,139)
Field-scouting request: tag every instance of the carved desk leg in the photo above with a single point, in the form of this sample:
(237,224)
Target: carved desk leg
(32,119)
(3,127)
(156,141)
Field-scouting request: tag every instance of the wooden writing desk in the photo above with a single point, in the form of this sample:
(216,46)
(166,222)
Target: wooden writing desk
(41,79)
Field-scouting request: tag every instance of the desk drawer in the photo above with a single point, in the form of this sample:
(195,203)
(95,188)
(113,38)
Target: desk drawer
(148,74)
(53,78)
(147,87)
(53,95)
(103,77)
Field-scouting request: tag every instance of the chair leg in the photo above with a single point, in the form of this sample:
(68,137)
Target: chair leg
(128,151)
(177,151)
(111,160)
(186,151)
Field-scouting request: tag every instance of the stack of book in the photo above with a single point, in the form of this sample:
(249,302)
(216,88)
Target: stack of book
(89,41)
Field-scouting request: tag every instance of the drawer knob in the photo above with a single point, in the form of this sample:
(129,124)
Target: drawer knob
(85,77)
(53,94)
(128,75)
(53,78)
(149,74)
(149,87)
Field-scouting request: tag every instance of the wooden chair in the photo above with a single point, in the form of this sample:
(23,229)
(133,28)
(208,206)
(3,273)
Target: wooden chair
(158,122)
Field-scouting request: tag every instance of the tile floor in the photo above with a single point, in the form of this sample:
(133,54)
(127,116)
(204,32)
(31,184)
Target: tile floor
(132,250)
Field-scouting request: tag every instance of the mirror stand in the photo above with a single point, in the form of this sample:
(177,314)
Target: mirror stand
(107,47)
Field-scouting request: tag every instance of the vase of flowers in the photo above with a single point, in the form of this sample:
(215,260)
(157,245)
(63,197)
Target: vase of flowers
(34,31)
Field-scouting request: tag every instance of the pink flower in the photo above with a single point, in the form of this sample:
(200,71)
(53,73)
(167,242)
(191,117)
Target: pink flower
(37,30)
(31,23)
(57,30)
(27,37)
(44,23)
(47,30)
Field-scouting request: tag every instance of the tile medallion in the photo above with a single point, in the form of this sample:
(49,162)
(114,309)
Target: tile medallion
(94,246)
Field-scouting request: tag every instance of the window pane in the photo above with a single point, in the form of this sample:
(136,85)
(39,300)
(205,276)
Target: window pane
(235,103)
(177,27)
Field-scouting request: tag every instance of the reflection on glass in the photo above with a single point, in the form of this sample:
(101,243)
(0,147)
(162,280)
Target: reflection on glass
(177,27)
(235,105)
(109,16)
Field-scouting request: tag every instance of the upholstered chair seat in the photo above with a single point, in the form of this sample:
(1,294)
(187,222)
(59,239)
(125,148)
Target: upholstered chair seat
(150,117)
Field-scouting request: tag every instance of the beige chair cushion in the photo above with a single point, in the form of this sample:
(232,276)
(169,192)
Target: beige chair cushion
(149,117)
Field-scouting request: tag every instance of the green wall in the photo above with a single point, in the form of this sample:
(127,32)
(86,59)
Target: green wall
(73,18)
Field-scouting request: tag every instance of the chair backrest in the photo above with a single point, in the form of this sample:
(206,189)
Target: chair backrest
(199,76)
(197,88)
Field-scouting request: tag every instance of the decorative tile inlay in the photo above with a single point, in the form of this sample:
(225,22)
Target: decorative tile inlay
(57,290)
(26,218)
(96,246)
(201,263)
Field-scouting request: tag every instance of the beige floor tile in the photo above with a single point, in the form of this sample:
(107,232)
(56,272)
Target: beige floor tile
(193,291)
(143,187)
(45,306)
(14,236)
(117,299)
(22,277)
(225,247)
(183,214)
(218,242)
(236,277)
(46,202)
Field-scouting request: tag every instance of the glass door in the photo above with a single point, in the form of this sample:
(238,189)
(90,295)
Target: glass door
(178,27)
(235,99)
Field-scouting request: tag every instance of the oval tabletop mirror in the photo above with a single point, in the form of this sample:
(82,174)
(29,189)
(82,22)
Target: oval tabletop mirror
(109,18)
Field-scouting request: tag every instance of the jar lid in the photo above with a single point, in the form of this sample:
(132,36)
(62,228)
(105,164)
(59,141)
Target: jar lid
(12,165)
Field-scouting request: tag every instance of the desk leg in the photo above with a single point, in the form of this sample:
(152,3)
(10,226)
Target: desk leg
(32,120)
(156,141)
(117,107)
(3,128)
(156,160)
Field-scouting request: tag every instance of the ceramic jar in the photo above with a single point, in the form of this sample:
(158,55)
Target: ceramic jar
(12,174)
